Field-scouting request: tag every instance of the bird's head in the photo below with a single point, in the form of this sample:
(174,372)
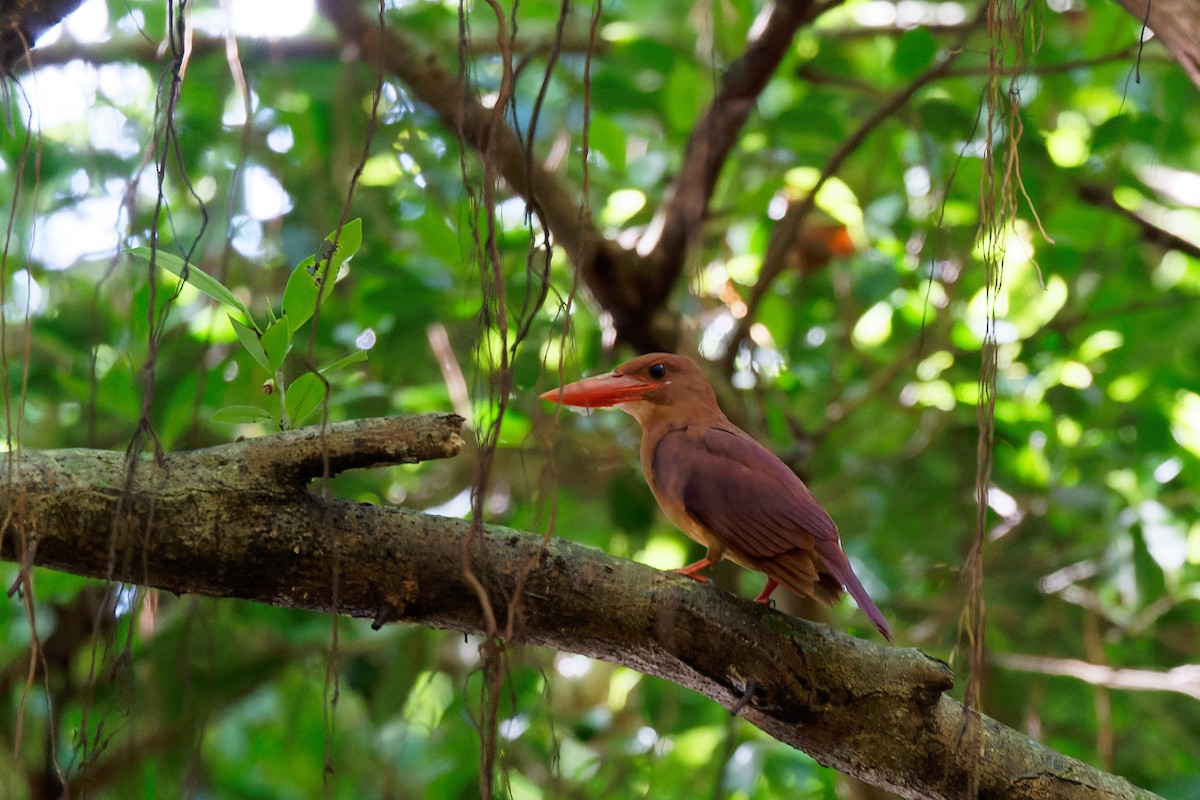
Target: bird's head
(641,386)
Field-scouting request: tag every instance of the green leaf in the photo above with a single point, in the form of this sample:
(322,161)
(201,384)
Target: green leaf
(300,295)
(353,358)
(685,93)
(277,343)
(251,342)
(630,503)
(240,415)
(610,140)
(347,243)
(195,276)
(304,396)
(944,119)
(438,238)
(915,51)
(318,272)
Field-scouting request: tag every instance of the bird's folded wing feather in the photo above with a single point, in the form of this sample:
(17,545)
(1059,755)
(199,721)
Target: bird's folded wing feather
(739,490)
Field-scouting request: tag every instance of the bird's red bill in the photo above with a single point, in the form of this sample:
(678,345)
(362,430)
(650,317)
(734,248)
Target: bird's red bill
(599,392)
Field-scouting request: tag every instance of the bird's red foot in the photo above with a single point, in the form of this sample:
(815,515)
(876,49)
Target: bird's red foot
(764,597)
(693,570)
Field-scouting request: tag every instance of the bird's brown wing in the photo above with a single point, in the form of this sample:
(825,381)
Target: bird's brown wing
(739,490)
(742,492)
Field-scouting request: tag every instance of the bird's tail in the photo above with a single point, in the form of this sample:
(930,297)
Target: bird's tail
(839,566)
(799,572)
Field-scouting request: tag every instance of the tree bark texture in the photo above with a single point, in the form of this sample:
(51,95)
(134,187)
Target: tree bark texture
(1177,25)
(240,520)
(23,21)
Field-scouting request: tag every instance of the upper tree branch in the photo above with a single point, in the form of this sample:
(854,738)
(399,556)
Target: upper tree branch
(1183,679)
(23,21)
(615,276)
(313,452)
(238,521)
(429,81)
(715,134)
(258,51)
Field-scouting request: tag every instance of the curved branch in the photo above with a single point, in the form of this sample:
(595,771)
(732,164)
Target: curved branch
(121,50)
(1101,197)
(23,21)
(715,134)
(614,275)
(453,101)
(237,521)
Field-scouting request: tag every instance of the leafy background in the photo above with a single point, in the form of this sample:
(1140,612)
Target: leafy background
(864,376)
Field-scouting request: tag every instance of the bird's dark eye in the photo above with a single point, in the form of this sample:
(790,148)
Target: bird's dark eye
(657,371)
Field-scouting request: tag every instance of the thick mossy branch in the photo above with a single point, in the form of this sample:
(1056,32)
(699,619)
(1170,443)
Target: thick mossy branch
(239,520)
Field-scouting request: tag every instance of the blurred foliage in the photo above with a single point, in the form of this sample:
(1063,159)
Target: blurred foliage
(864,377)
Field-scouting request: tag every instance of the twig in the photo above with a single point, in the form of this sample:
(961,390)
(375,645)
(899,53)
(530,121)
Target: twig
(784,236)
(1103,198)
(1183,679)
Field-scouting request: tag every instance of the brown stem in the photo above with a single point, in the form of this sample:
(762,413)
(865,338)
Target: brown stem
(1103,198)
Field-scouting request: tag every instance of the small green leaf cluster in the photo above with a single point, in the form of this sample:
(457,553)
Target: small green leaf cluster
(309,286)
